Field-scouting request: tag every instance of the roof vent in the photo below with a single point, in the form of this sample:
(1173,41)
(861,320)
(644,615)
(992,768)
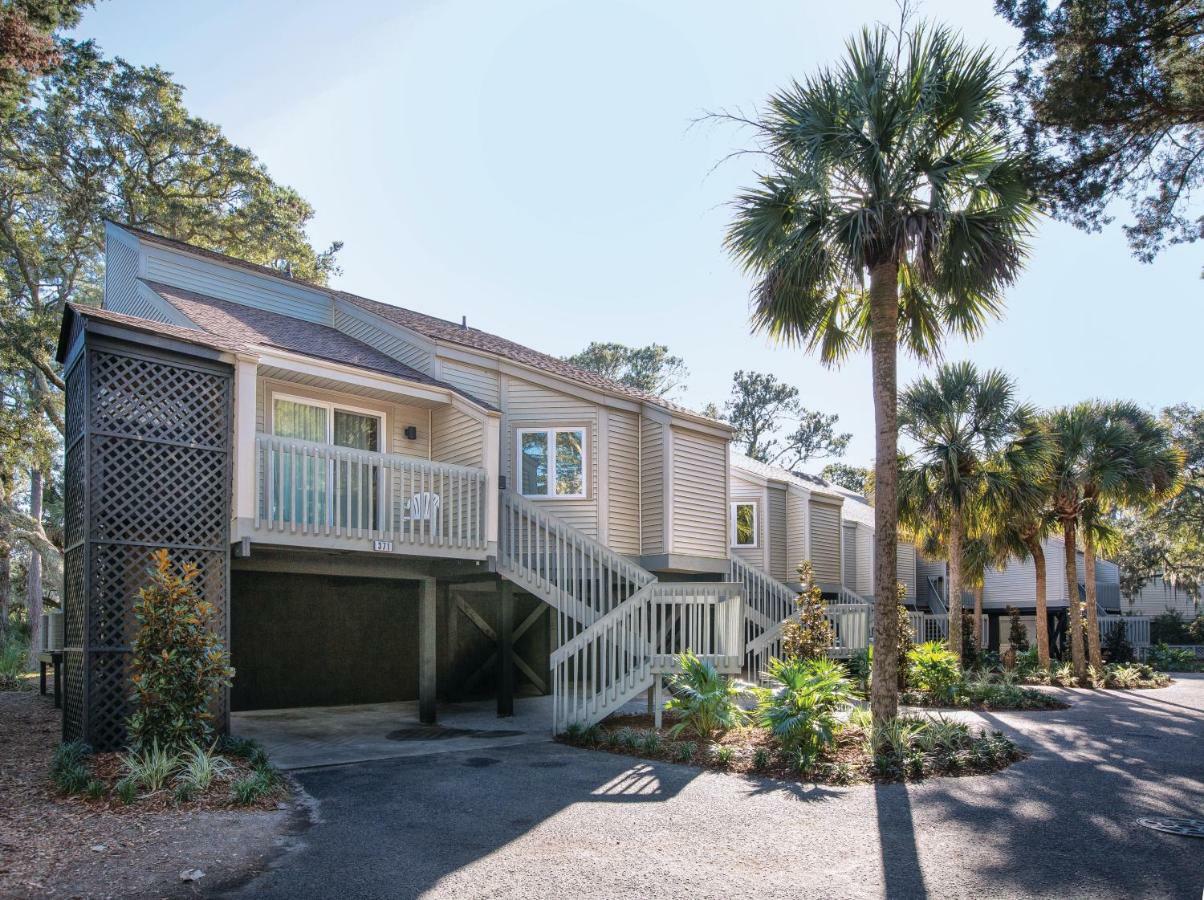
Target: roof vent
(464,322)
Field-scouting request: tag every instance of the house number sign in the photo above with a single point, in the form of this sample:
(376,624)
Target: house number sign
(386,546)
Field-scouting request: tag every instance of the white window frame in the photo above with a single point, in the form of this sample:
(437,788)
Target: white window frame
(330,406)
(551,431)
(732,522)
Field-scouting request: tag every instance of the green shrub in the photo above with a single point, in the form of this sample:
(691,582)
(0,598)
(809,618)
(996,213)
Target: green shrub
(1063,675)
(801,703)
(14,659)
(1169,628)
(684,752)
(252,788)
(178,661)
(933,669)
(67,769)
(151,767)
(809,633)
(1017,633)
(704,700)
(723,755)
(1116,647)
(95,789)
(896,736)
(241,747)
(651,742)
(1170,659)
(760,758)
(861,667)
(127,791)
(199,766)
(575,732)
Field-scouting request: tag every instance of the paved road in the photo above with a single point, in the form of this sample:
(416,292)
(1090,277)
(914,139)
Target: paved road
(551,821)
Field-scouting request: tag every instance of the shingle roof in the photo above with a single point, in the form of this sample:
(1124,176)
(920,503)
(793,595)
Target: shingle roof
(441,330)
(777,473)
(179,332)
(251,327)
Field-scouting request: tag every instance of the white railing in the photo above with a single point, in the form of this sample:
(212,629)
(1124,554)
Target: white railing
(319,490)
(939,606)
(767,603)
(853,627)
(1137,628)
(621,653)
(850,596)
(575,574)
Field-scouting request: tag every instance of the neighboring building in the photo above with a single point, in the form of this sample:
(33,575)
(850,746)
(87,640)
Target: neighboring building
(381,502)
(1158,596)
(778,519)
(858,524)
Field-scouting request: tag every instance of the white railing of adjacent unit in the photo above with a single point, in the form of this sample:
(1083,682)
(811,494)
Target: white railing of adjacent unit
(848,595)
(767,603)
(1137,628)
(320,490)
(618,628)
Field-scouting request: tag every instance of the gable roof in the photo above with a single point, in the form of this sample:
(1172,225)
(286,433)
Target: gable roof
(440,330)
(777,473)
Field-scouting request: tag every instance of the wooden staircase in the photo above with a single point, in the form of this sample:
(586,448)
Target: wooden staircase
(618,627)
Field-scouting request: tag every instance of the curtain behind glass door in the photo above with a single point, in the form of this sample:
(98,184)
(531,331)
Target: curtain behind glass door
(299,488)
(358,483)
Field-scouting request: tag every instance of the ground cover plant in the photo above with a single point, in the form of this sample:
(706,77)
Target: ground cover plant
(806,725)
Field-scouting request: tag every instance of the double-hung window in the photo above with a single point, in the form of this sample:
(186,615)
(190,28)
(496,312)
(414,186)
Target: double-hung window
(552,462)
(744,525)
(302,490)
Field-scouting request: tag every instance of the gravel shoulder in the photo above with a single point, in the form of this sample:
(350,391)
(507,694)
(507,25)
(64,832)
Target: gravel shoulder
(547,820)
(57,847)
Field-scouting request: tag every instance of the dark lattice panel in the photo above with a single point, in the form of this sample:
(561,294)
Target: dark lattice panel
(143,398)
(73,695)
(75,559)
(152,470)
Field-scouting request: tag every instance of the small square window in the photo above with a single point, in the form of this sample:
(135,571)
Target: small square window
(744,525)
(552,462)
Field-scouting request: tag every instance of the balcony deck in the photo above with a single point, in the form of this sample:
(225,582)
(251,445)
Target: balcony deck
(326,497)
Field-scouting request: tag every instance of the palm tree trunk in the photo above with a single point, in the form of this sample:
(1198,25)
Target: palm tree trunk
(955,583)
(977,630)
(1093,648)
(1038,554)
(1075,605)
(884,329)
(33,579)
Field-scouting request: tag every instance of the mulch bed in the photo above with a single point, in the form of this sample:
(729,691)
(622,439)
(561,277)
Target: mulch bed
(55,846)
(847,761)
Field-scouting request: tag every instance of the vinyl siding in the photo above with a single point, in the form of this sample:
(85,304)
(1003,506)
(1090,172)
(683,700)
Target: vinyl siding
(849,552)
(236,285)
(652,487)
(472,380)
(748,491)
(360,325)
(865,561)
(1156,597)
(825,543)
(623,482)
(796,531)
(457,437)
(776,531)
(397,416)
(527,405)
(905,569)
(699,494)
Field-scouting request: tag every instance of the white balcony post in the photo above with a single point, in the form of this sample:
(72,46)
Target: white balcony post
(245,374)
(492,463)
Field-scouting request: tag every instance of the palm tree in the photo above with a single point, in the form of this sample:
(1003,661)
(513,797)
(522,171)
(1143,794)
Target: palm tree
(1149,471)
(977,451)
(1020,530)
(892,210)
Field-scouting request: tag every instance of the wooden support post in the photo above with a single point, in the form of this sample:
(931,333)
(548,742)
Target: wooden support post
(505,647)
(658,701)
(427,619)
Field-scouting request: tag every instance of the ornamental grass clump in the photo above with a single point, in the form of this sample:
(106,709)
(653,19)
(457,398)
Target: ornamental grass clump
(179,662)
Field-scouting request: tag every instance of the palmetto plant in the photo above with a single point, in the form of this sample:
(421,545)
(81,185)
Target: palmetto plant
(705,700)
(890,211)
(978,453)
(800,703)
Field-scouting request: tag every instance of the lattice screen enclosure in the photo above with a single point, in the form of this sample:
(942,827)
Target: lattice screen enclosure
(147,466)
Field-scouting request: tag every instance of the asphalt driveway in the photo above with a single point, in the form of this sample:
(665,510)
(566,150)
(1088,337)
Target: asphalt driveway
(543,820)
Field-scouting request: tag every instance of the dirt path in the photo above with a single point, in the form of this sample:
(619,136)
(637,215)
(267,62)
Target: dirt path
(52,847)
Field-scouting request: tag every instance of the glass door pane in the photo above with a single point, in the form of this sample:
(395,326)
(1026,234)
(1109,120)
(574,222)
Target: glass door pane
(358,482)
(299,490)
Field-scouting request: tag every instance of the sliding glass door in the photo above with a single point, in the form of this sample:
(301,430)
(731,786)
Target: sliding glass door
(358,484)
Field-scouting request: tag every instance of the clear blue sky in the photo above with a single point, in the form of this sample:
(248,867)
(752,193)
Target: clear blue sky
(530,164)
